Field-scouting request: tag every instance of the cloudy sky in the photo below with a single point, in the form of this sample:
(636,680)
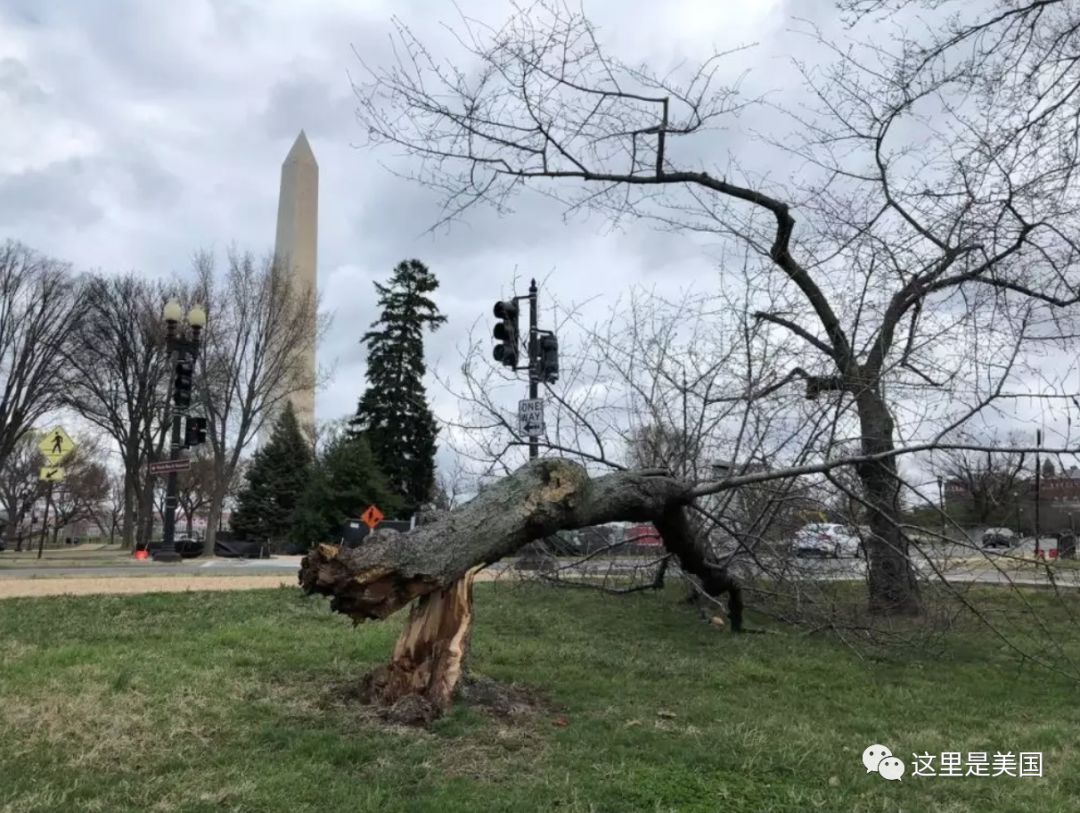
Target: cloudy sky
(137,132)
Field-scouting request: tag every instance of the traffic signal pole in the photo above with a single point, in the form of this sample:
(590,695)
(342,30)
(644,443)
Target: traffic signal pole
(543,356)
(172,486)
(186,350)
(534,372)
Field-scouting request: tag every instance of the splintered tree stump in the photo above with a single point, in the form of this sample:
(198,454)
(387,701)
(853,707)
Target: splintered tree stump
(436,563)
(429,656)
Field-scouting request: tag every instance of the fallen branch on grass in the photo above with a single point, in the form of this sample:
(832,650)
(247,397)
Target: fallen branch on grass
(435,562)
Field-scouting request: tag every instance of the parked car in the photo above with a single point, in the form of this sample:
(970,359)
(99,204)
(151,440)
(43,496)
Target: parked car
(189,546)
(827,539)
(998,538)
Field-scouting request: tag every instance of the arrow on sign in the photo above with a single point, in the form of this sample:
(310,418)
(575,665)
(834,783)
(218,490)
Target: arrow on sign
(51,474)
(531,417)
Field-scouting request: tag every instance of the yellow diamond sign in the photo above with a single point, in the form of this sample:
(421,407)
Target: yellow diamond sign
(51,474)
(56,445)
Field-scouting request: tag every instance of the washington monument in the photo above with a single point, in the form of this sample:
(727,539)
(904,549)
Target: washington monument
(295,246)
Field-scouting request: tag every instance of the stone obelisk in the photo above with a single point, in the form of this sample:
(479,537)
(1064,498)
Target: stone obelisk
(295,247)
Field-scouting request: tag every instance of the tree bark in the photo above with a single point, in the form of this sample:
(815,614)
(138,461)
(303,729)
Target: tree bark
(127,527)
(213,520)
(146,511)
(893,588)
(11,533)
(436,563)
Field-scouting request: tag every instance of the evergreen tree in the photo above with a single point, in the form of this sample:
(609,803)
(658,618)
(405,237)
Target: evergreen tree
(276,479)
(393,413)
(345,482)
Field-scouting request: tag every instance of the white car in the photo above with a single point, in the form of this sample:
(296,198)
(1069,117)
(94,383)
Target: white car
(827,539)
(998,538)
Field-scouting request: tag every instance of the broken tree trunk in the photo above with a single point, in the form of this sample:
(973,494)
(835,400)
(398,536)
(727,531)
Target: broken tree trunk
(435,562)
(429,656)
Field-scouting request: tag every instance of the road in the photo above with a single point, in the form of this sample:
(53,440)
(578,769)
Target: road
(958,564)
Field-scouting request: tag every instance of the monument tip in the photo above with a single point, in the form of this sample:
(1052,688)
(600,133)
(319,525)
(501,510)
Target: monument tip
(301,150)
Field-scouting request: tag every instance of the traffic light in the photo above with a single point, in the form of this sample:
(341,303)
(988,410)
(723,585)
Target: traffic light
(506,332)
(195,434)
(182,383)
(549,358)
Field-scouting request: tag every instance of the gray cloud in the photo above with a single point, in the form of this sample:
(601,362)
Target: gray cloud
(15,82)
(56,196)
(323,107)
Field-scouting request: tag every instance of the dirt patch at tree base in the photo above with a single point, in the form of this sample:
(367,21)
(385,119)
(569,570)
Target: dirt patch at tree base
(507,702)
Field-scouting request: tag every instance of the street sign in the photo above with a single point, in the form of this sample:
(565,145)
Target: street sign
(51,474)
(169,466)
(372,516)
(56,445)
(531,416)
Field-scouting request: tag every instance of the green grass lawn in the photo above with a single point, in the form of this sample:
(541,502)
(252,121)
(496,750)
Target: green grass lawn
(219,701)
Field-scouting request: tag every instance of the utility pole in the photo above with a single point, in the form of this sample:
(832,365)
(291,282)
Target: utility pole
(534,364)
(1038,486)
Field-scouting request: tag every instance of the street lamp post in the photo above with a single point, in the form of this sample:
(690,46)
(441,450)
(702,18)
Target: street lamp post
(185,346)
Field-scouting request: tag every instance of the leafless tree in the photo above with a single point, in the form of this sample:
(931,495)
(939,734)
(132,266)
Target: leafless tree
(84,491)
(113,513)
(196,487)
(120,372)
(257,323)
(988,482)
(81,496)
(967,237)
(20,487)
(916,283)
(37,315)
(657,445)
(153,445)
(452,484)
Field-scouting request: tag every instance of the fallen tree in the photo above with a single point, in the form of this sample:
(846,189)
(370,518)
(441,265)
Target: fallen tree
(436,563)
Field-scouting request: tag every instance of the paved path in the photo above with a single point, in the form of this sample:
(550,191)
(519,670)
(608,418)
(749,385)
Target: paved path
(89,585)
(137,570)
(157,577)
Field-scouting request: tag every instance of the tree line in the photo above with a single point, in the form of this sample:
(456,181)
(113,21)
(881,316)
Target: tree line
(92,346)
(384,455)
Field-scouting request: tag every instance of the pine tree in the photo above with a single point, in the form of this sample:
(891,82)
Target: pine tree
(393,413)
(278,476)
(345,482)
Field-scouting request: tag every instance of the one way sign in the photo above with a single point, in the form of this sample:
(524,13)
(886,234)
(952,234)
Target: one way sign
(531,417)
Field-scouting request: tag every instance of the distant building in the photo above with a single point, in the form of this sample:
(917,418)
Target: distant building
(1062,489)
